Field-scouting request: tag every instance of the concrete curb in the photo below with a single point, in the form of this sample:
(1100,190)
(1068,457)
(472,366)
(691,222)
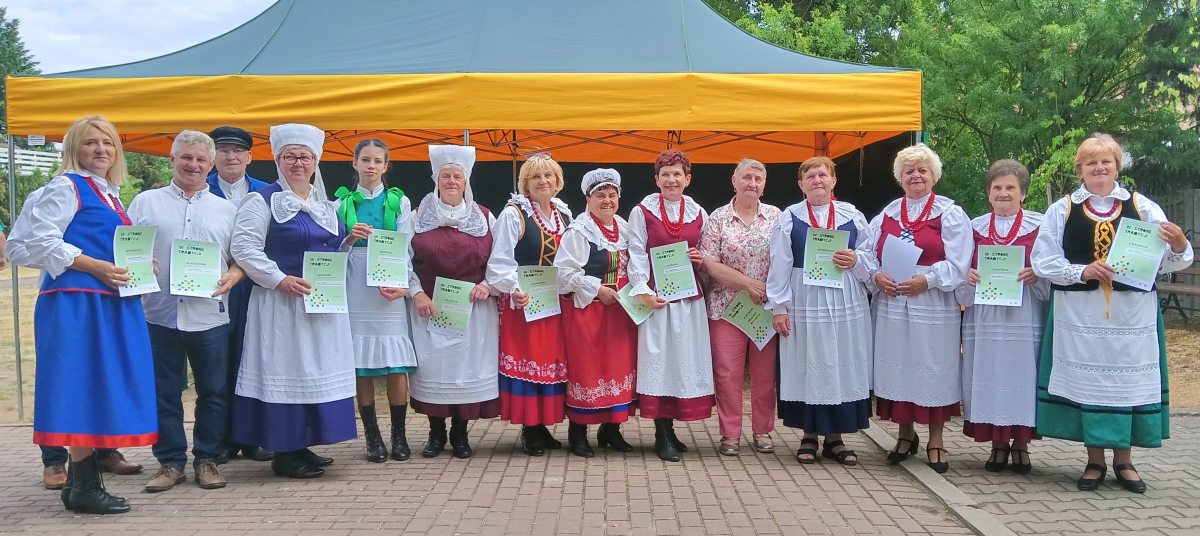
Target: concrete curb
(961,505)
(1185,412)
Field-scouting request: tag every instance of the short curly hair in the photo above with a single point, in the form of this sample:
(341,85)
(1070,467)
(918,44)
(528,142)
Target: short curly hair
(672,157)
(914,155)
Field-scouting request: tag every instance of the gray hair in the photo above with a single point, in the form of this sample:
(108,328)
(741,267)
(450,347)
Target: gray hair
(751,164)
(194,137)
(914,155)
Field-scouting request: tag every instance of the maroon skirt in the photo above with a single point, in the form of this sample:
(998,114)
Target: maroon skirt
(908,412)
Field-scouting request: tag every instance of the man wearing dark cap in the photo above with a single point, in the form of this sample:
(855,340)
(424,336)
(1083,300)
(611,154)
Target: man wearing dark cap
(230,181)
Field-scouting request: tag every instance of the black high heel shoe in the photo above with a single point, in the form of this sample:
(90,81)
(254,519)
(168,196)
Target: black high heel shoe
(1091,484)
(1135,486)
(1021,468)
(938,467)
(896,455)
(998,460)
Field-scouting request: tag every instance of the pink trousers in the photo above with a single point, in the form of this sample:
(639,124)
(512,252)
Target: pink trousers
(729,351)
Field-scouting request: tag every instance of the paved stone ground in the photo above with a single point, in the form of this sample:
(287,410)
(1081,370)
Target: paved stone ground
(501,491)
(1046,501)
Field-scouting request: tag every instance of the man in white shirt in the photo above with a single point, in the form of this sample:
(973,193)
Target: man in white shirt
(230,181)
(182,328)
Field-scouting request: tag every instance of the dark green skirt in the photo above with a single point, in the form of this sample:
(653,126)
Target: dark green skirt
(1101,426)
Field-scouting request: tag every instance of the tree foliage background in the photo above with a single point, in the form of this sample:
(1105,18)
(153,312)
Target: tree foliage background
(145,171)
(1024,79)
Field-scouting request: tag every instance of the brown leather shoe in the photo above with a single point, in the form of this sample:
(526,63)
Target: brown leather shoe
(54,476)
(166,479)
(208,477)
(116,464)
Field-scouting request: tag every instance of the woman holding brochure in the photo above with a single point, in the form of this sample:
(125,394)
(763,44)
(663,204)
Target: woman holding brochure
(820,310)
(674,374)
(295,386)
(734,244)
(602,357)
(923,243)
(454,324)
(533,366)
(378,301)
(1102,378)
(1002,337)
(83,328)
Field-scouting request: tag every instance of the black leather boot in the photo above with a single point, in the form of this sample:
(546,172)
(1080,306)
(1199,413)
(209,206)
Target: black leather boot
(674,440)
(531,441)
(376,451)
(87,495)
(437,437)
(548,438)
(400,449)
(662,440)
(66,489)
(609,436)
(294,464)
(458,438)
(577,439)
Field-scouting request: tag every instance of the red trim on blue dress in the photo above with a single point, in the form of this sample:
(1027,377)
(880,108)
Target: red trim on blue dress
(54,439)
(72,289)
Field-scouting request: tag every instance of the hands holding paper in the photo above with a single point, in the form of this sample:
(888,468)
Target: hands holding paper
(1098,271)
(424,305)
(392,293)
(231,278)
(519,298)
(294,286)
(756,289)
(1027,276)
(844,260)
(652,301)
(1173,235)
(973,276)
(607,296)
(360,231)
(481,292)
(782,325)
(918,284)
(107,272)
(696,258)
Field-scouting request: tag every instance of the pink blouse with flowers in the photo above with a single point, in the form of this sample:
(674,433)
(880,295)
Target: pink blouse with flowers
(745,248)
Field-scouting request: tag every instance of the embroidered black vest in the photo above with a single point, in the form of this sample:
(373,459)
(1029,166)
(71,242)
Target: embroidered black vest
(536,247)
(1086,240)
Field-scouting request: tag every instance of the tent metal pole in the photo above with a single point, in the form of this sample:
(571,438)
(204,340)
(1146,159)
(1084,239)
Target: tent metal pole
(466,137)
(16,288)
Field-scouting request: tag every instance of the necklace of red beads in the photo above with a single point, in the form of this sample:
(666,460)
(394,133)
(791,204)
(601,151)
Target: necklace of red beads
(537,217)
(611,236)
(674,230)
(1103,215)
(1012,233)
(830,221)
(922,219)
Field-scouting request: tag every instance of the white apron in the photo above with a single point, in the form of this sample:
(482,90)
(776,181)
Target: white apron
(458,371)
(827,358)
(1106,361)
(379,327)
(917,357)
(674,354)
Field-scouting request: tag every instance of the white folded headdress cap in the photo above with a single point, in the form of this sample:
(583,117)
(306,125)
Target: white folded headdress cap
(600,177)
(304,135)
(441,155)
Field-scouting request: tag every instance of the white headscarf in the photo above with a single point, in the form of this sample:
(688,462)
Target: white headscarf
(433,213)
(600,177)
(286,204)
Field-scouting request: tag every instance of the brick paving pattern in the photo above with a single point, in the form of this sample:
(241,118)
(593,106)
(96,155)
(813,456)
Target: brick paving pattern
(502,491)
(1046,500)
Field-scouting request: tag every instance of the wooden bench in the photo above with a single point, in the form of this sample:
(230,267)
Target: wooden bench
(1173,289)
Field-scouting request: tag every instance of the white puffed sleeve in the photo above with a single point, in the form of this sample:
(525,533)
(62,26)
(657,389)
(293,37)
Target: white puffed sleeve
(1153,214)
(36,241)
(249,242)
(779,274)
(875,232)
(1047,259)
(573,253)
(864,248)
(404,224)
(639,258)
(502,266)
(946,275)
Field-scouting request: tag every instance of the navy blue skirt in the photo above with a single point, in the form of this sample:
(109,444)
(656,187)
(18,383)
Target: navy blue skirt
(288,427)
(844,418)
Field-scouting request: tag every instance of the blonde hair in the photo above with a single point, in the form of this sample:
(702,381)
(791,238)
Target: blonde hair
(751,164)
(534,165)
(814,162)
(73,144)
(914,155)
(194,137)
(1096,145)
